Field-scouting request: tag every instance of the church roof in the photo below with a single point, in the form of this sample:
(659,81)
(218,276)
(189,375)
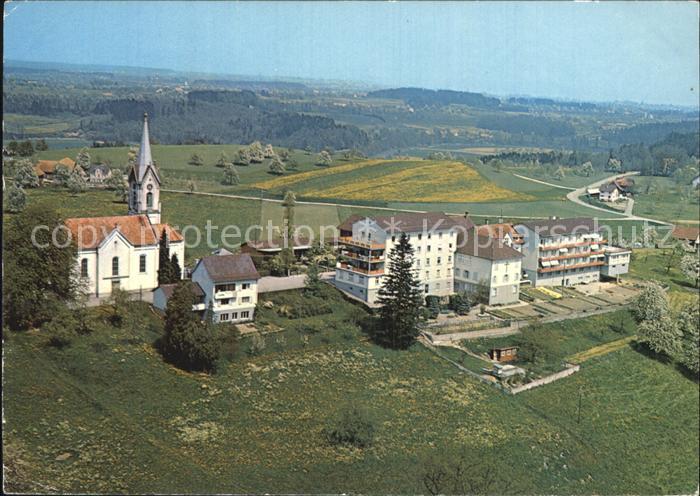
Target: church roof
(145,159)
(89,232)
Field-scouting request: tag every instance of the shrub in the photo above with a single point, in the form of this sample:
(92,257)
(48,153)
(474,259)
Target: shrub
(257,345)
(352,427)
(460,303)
(433,304)
(61,329)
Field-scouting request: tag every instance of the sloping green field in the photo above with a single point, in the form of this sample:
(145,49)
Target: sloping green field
(106,414)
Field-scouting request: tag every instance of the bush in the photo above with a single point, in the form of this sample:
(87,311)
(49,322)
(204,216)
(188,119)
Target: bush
(460,303)
(61,329)
(257,345)
(433,304)
(352,427)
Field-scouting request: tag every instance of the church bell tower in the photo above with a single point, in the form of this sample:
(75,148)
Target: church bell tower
(144,181)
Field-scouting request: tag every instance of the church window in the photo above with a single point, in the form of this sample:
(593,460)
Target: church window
(84,267)
(149,200)
(142,263)
(115,266)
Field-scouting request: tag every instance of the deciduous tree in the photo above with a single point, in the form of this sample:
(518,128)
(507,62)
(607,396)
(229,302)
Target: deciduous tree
(690,266)
(196,160)
(16,199)
(25,177)
(651,303)
(231,177)
(82,160)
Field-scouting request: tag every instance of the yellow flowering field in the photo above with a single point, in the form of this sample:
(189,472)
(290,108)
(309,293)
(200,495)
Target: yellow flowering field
(396,180)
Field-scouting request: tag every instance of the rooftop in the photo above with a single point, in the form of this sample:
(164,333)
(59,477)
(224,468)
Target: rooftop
(686,232)
(225,268)
(90,232)
(168,289)
(558,227)
(488,248)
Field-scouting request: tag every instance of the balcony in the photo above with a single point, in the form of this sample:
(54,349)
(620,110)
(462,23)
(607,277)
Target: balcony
(221,295)
(359,270)
(348,240)
(544,270)
(197,307)
(362,258)
(573,245)
(573,255)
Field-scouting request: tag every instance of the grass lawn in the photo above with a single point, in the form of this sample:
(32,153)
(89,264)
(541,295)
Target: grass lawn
(664,201)
(107,414)
(571,180)
(649,264)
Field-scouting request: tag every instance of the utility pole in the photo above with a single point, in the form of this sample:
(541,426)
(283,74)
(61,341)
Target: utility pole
(578,421)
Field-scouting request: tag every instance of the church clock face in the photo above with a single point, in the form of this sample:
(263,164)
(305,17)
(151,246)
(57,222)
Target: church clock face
(149,187)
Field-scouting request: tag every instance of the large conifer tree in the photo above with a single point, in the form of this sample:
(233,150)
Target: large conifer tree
(400,299)
(166,274)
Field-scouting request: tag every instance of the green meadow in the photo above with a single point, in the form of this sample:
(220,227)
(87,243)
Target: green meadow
(93,416)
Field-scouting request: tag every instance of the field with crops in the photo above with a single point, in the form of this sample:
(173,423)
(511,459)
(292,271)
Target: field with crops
(92,417)
(407,180)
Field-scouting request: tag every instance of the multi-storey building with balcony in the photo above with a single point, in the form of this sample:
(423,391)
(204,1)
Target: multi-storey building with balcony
(230,283)
(617,262)
(364,252)
(562,252)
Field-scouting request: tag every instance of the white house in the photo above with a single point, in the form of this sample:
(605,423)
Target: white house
(611,192)
(491,262)
(230,283)
(120,252)
(99,173)
(364,254)
(617,262)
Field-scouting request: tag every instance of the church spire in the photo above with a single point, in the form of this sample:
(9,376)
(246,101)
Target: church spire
(144,158)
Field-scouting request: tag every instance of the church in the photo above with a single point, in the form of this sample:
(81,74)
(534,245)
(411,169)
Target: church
(122,251)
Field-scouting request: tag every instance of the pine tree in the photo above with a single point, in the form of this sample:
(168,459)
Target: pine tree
(188,343)
(400,299)
(313,280)
(165,268)
(175,268)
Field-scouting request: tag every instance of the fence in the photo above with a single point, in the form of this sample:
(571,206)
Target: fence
(572,369)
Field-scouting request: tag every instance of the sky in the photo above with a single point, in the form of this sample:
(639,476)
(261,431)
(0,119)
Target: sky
(614,51)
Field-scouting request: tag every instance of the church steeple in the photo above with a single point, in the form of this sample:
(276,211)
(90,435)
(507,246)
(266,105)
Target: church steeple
(144,183)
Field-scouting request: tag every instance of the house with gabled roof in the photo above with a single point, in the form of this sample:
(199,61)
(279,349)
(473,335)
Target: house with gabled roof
(230,285)
(120,252)
(491,262)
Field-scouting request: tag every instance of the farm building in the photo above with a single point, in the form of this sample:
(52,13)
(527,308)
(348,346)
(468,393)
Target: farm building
(504,354)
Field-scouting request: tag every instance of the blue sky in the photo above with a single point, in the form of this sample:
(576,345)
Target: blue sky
(639,51)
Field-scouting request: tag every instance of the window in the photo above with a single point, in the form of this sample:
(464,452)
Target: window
(115,285)
(429,234)
(449,258)
(437,285)
(427,274)
(494,278)
(494,292)
(225,301)
(439,260)
(427,288)
(149,200)
(142,263)
(245,285)
(515,289)
(450,245)
(393,239)
(84,267)
(223,317)
(225,287)
(420,236)
(245,299)
(438,273)
(115,266)
(505,278)
(428,248)
(245,315)
(440,236)
(427,262)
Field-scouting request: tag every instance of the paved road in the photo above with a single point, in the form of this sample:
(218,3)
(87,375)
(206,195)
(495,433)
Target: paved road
(543,182)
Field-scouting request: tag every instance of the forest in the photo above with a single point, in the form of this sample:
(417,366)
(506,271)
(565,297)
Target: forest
(105,105)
